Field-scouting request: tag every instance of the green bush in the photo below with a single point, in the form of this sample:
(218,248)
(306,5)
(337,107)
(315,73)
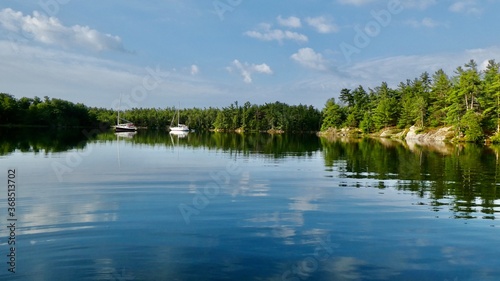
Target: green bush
(495,138)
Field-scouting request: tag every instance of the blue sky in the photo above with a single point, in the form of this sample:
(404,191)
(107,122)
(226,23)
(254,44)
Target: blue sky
(161,53)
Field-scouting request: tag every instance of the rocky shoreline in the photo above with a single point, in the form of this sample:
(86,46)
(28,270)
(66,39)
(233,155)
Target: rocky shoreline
(413,134)
(444,134)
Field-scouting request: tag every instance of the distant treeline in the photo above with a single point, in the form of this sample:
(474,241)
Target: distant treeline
(249,117)
(469,101)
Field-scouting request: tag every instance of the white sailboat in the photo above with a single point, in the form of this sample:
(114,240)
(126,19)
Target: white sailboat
(124,127)
(180,128)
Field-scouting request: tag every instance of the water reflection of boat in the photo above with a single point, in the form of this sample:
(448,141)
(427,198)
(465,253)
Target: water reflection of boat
(123,135)
(127,135)
(179,134)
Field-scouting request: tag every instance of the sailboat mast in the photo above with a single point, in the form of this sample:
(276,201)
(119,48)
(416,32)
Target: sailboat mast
(119,107)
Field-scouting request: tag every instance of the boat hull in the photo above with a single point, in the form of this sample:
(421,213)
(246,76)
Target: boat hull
(125,128)
(182,128)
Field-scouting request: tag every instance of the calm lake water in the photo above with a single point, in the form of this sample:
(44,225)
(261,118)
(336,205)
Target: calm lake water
(247,207)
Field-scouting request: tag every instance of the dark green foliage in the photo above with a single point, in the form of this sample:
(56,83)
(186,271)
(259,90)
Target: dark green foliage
(8,109)
(333,115)
(440,89)
(385,111)
(367,125)
(490,101)
(469,101)
(60,113)
(357,103)
(270,116)
(47,112)
(278,116)
(471,122)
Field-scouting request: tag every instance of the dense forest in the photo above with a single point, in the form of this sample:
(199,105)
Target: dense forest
(469,101)
(47,112)
(249,117)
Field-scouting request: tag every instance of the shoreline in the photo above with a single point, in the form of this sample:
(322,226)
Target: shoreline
(414,135)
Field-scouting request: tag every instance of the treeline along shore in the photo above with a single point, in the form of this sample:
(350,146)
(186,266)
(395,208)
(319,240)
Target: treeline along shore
(275,117)
(468,102)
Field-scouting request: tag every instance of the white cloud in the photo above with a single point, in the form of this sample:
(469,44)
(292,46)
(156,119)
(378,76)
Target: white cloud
(415,65)
(263,68)
(483,65)
(265,33)
(50,31)
(30,70)
(393,70)
(310,59)
(292,22)
(470,7)
(322,25)
(246,70)
(425,22)
(195,69)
